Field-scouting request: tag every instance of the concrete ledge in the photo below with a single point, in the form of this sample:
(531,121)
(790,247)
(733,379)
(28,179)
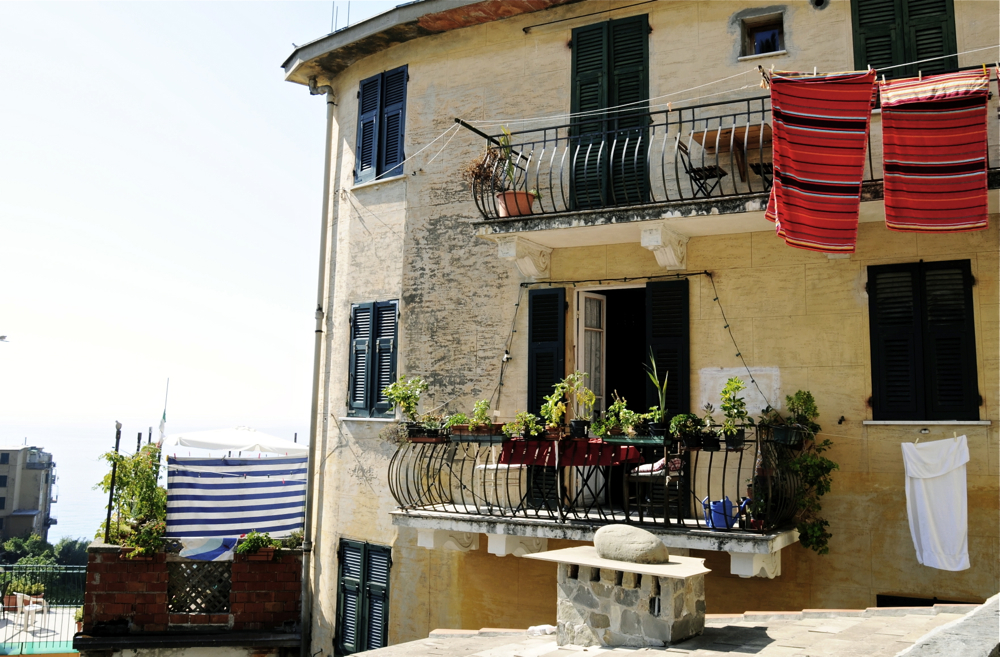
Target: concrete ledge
(83,642)
(977,634)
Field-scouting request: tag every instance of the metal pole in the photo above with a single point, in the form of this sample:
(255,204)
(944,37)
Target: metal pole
(305,620)
(138,443)
(150,439)
(111,494)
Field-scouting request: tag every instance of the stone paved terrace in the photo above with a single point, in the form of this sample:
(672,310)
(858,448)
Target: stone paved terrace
(875,632)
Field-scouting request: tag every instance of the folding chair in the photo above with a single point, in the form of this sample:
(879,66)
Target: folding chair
(701,177)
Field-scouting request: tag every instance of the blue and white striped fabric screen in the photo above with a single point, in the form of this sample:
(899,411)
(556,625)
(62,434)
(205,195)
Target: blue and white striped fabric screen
(230,497)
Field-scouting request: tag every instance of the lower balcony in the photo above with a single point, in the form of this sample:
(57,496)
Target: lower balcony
(737,498)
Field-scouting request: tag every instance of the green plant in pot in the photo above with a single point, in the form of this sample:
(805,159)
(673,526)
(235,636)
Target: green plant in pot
(710,441)
(510,201)
(455,420)
(687,428)
(735,415)
(582,399)
(254,542)
(525,425)
(480,422)
(553,411)
(659,413)
(405,394)
(617,420)
(432,425)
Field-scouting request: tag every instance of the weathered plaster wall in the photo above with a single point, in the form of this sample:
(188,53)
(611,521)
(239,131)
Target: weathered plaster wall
(411,239)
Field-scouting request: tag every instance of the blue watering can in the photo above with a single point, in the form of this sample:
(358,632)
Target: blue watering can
(721,514)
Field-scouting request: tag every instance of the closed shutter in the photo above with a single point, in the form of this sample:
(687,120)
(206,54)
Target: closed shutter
(366,151)
(349,597)
(383,371)
(362,320)
(393,121)
(894,312)
(546,344)
(377,562)
(629,66)
(589,93)
(878,39)
(949,342)
(668,336)
(930,32)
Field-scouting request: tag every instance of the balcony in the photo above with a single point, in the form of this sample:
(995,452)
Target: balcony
(699,167)
(537,489)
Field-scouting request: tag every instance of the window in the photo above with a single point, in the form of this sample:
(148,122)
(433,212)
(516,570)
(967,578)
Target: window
(3,481)
(381,119)
(5,458)
(762,35)
(3,502)
(923,341)
(892,32)
(610,68)
(372,359)
(362,597)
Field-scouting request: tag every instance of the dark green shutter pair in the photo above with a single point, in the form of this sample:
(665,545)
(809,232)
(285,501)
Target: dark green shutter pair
(923,342)
(362,597)
(667,334)
(891,32)
(372,363)
(609,148)
(381,119)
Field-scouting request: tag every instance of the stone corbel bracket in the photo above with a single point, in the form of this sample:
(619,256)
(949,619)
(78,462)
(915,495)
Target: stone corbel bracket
(502,544)
(439,539)
(669,246)
(755,565)
(531,259)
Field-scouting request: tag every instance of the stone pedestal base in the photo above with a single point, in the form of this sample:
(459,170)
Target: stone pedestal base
(604,607)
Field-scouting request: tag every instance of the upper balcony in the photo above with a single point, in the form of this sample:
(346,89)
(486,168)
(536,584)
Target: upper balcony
(707,169)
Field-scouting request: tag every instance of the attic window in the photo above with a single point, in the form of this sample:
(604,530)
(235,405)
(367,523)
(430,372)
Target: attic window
(763,35)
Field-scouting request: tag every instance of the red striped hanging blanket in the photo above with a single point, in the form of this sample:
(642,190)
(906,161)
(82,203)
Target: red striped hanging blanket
(934,143)
(820,137)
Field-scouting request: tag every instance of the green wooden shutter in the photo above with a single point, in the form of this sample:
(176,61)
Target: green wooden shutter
(949,342)
(349,597)
(546,343)
(383,370)
(589,92)
(393,121)
(629,66)
(366,150)
(359,376)
(878,34)
(930,32)
(378,559)
(668,329)
(894,318)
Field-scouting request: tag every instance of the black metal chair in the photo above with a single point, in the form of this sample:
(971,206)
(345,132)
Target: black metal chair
(701,177)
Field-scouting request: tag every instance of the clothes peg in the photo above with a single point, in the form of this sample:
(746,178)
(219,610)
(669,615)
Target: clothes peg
(920,76)
(814,70)
(883,78)
(984,70)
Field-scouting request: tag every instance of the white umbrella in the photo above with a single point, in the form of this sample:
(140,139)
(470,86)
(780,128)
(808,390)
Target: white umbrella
(237,439)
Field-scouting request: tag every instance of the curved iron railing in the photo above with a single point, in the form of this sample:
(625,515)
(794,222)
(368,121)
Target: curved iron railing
(634,481)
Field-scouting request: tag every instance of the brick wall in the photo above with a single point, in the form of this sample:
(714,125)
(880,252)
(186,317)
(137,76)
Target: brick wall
(264,594)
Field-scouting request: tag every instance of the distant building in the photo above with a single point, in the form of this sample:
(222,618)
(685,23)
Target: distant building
(27,475)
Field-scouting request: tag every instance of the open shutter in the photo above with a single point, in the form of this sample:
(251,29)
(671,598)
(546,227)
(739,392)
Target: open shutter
(668,335)
(930,32)
(393,121)
(383,370)
(546,343)
(377,562)
(878,35)
(629,65)
(949,342)
(349,597)
(362,320)
(894,317)
(589,92)
(366,151)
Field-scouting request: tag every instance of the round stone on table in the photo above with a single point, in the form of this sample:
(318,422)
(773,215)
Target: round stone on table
(627,543)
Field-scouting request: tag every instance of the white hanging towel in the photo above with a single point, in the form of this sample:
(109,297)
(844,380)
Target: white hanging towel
(936,502)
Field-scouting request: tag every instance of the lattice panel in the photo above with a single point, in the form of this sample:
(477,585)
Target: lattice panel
(199,587)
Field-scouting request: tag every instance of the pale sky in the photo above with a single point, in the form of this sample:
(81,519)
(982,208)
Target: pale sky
(160,197)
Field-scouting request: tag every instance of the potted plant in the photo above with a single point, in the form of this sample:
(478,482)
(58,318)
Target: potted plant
(525,425)
(511,202)
(453,422)
(658,414)
(145,540)
(480,422)
(735,416)
(687,429)
(405,394)
(618,420)
(553,411)
(582,398)
(815,480)
(78,618)
(257,546)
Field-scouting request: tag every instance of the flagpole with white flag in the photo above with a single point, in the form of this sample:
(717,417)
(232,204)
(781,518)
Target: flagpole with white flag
(163,420)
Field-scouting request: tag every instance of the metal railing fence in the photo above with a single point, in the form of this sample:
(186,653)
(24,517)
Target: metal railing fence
(39,607)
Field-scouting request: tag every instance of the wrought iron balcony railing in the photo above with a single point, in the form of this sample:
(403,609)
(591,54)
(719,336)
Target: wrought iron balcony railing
(596,481)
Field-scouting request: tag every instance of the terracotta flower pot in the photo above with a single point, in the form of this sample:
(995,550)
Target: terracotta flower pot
(514,204)
(263,554)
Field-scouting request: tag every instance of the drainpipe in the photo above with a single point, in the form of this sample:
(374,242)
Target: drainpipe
(306,619)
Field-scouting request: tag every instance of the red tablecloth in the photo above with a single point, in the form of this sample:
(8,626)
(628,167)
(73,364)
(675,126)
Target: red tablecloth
(571,452)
